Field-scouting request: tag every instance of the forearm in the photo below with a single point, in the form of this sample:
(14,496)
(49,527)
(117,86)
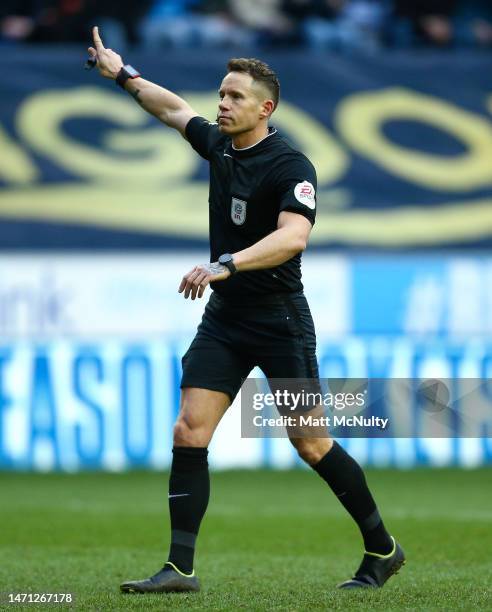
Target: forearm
(271,251)
(160,102)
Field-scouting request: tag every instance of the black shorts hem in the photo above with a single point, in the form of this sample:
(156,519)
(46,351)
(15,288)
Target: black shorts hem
(210,387)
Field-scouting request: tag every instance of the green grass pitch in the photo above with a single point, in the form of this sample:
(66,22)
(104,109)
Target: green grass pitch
(270,540)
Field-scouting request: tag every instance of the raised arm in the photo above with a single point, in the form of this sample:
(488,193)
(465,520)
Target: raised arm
(162,103)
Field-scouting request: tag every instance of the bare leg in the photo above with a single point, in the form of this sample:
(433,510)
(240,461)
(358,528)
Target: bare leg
(199,414)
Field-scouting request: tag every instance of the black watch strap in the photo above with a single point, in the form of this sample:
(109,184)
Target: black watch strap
(127,72)
(227,261)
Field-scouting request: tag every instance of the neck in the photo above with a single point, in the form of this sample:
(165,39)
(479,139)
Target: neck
(250,138)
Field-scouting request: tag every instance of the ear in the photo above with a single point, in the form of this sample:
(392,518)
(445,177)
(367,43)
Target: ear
(266,109)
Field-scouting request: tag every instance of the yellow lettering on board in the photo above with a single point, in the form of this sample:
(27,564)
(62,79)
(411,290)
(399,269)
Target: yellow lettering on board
(360,119)
(15,166)
(133,153)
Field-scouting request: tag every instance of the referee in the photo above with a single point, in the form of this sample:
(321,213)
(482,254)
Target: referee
(262,207)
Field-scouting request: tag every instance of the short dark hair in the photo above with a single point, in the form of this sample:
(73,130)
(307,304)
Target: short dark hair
(260,72)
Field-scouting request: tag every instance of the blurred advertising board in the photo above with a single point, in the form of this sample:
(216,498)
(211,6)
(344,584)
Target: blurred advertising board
(91,345)
(111,405)
(402,154)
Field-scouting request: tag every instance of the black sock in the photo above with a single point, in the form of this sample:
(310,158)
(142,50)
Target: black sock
(346,479)
(189,490)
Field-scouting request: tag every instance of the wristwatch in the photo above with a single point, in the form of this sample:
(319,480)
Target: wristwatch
(127,72)
(228,261)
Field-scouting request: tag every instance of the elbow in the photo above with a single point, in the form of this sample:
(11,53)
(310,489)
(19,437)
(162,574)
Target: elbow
(300,245)
(297,240)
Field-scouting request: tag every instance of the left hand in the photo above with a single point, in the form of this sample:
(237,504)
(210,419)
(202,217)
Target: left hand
(195,282)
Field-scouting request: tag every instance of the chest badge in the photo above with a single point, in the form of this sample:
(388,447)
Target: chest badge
(238,211)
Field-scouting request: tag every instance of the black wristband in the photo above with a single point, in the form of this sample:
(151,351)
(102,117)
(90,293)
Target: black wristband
(127,72)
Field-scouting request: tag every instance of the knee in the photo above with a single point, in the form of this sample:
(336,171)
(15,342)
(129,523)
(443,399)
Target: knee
(312,450)
(188,433)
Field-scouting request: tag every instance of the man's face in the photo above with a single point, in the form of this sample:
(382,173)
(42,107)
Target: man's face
(242,104)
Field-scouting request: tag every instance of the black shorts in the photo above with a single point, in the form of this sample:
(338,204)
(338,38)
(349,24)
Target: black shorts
(274,332)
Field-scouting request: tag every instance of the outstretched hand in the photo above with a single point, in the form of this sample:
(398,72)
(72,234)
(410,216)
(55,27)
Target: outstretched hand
(109,63)
(195,282)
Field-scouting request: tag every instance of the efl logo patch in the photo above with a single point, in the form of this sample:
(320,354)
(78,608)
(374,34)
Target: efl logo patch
(305,193)
(238,211)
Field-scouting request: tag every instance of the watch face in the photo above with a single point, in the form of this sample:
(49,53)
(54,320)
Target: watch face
(132,73)
(224,259)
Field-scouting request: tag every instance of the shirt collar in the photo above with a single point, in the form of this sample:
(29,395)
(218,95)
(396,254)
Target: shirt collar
(254,148)
(271,131)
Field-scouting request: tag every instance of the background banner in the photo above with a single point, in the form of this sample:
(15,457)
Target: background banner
(91,347)
(402,146)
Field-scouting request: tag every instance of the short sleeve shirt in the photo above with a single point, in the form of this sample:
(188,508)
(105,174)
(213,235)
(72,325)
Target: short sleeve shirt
(249,188)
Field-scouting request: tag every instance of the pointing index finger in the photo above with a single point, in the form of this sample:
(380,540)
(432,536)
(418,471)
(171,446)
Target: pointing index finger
(97,39)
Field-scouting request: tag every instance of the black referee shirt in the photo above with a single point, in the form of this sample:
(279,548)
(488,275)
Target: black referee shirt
(248,190)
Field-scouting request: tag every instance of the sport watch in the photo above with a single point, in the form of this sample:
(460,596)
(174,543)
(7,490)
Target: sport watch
(127,72)
(228,261)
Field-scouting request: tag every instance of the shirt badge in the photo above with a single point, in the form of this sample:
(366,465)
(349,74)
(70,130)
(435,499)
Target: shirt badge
(304,193)
(238,211)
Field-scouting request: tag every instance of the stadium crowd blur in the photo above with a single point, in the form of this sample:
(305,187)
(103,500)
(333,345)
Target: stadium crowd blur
(336,25)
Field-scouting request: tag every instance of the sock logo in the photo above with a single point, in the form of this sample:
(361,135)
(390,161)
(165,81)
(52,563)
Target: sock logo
(177,495)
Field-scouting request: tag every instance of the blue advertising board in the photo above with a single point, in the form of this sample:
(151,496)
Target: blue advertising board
(91,347)
(111,405)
